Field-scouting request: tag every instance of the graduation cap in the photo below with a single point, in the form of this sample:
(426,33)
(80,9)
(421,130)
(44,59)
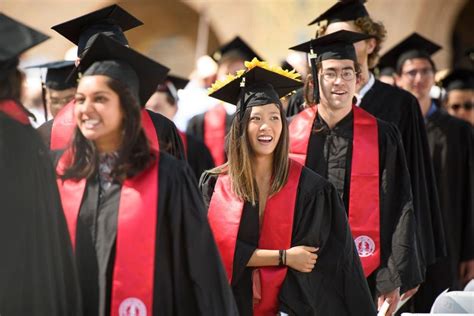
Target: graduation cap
(111,21)
(347,10)
(57,74)
(172,84)
(413,46)
(337,45)
(237,45)
(110,58)
(258,85)
(458,79)
(16,38)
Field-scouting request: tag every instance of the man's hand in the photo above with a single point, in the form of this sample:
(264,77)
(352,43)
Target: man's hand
(392,298)
(466,271)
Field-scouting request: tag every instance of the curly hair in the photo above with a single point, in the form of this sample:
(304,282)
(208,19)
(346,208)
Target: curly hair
(134,153)
(367,26)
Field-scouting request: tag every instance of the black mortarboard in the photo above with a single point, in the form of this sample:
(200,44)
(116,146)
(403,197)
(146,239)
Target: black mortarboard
(16,38)
(257,86)
(111,21)
(337,45)
(347,10)
(458,79)
(110,58)
(413,46)
(172,84)
(57,74)
(237,45)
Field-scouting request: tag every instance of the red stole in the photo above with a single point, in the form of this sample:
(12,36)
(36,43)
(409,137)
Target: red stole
(14,111)
(184,140)
(364,214)
(63,127)
(214,133)
(132,286)
(225,211)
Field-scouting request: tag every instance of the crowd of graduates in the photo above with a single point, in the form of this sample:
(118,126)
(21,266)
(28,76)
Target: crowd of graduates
(340,186)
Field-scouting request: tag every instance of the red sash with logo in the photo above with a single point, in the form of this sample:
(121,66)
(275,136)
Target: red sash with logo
(214,133)
(225,211)
(15,111)
(364,214)
(134,266)
(184,139)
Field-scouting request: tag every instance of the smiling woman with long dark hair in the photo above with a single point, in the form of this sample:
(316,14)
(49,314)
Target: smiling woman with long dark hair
(280,228)
(142,243)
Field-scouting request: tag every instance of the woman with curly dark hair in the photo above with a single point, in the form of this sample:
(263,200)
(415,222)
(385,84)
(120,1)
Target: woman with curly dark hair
(280,228)
(136,220)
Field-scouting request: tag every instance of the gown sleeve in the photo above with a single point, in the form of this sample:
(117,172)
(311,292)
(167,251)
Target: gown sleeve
(337,285)
(37,271)
(197,273)
(400,264)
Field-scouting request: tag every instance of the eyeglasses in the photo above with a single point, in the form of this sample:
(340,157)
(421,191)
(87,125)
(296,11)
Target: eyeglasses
(331,75)
(467,106)
(423,72)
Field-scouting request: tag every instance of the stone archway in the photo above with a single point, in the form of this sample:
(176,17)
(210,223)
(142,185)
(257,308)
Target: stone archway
(169,34)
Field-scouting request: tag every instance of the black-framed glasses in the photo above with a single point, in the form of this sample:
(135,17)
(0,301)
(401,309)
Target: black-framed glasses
(331,75)
(466,105)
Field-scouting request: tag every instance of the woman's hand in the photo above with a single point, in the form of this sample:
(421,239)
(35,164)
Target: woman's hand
(301,258)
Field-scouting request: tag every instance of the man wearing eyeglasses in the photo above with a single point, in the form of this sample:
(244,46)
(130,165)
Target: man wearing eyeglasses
(451,146)
(363,157)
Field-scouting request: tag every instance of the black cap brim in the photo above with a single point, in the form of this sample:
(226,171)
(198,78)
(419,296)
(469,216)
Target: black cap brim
(72,29)
(458,79)
(149,72)
(58,74)
(178,82)
(238,45)
(337,45)
(230,93)
(348,10)
(16,38)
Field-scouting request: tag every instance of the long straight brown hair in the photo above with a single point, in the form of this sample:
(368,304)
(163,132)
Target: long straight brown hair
(240,153)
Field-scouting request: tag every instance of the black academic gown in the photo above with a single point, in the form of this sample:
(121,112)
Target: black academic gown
(165,130)
(198,156)
(37,271)
(330,155)
(451,144)
(336,286)
(189,278)
(397,106)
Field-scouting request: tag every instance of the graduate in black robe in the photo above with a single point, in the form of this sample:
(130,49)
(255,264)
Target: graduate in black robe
(112,21)
(335,284)
(188,277)
(396,106)
(329,137)
(37,270)
(165,101)
(335,287)
(451,146)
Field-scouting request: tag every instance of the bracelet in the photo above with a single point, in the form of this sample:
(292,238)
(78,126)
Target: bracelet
(280,257)
(284,257)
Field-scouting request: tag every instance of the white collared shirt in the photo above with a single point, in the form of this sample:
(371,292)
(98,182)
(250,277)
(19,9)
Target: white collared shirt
(365,88)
